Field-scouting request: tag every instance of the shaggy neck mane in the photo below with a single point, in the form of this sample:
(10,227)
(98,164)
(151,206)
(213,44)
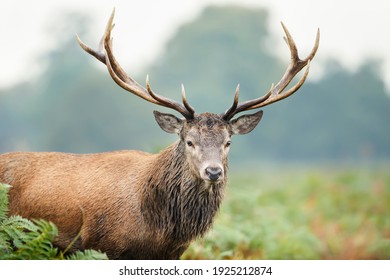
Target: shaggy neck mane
(177,203)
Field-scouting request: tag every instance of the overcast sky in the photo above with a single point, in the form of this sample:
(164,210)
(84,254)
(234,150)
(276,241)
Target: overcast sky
(351,31)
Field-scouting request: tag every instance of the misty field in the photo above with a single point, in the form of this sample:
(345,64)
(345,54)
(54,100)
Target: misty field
(296,213)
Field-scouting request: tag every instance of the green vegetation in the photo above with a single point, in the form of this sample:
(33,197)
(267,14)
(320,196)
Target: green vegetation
(22,239)
(300,214)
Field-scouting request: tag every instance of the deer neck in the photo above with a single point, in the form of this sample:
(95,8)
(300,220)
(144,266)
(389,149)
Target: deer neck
(177,203)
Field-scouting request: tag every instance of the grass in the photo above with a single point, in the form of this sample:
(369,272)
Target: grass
(301,214)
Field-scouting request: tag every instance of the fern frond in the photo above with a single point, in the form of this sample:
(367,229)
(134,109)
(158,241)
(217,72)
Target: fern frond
(13,230)
(19,222)
(3,201)
(87,255)
(38,244)
(5,247)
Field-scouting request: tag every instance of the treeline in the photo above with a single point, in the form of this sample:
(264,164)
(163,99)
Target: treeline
(74,107)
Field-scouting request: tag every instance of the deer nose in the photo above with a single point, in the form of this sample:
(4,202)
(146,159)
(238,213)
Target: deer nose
(213,173)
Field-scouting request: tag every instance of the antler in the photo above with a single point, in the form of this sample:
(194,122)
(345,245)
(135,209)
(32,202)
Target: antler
(276,92)
(106,56)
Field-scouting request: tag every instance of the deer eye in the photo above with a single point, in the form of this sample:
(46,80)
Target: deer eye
(228,143)
(190,144)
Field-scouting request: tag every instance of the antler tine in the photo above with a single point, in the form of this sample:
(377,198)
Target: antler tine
(237,108)
(229,113)
(166,102)
(276,93)
(290,43)
(107,43)
(106,56)
(315,48)
(99,55)
(190,109)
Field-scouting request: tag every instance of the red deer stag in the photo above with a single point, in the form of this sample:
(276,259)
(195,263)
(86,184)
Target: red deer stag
(132,204)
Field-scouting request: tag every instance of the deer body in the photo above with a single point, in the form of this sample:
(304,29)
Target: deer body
(131,204)
(134,213)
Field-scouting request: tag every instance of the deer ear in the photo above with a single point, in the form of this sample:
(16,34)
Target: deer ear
(246,123)
(169,123)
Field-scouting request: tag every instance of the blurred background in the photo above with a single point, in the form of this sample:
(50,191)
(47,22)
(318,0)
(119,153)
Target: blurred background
(318,163)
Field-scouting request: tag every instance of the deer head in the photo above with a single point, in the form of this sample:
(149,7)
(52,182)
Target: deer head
(204,137)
